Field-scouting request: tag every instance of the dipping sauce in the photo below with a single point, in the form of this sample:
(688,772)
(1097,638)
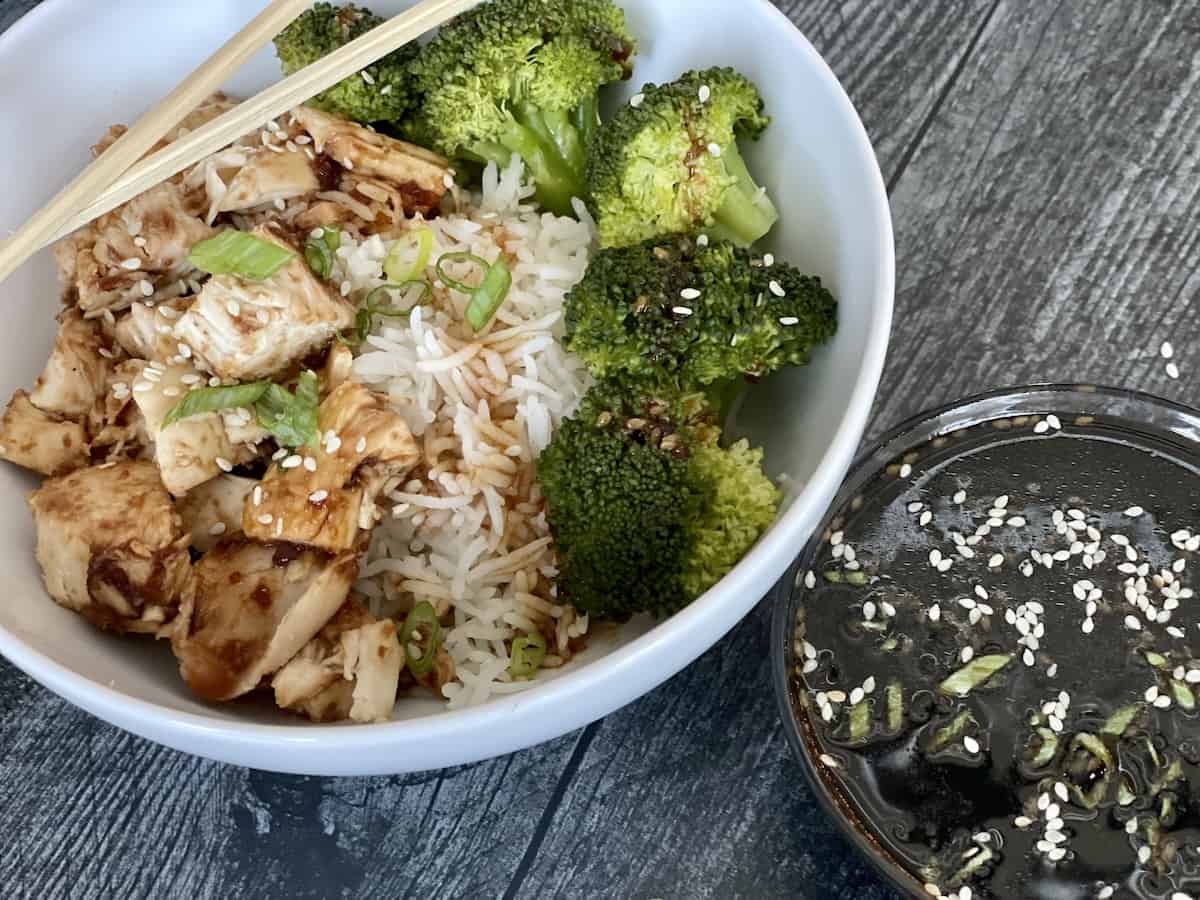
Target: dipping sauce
(995,661)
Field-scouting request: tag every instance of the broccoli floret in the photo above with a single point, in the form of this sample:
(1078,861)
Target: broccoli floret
(383,93)
(647,511)
(522,77)
(694,317)
(671,164)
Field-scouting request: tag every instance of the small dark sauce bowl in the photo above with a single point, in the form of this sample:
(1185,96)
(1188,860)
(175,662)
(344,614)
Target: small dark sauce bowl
(909,441)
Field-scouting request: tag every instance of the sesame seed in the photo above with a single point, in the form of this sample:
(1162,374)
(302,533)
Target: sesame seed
(1172,371)
(321,496)
(1132,623)
(714,150)
(1134,511)
(348,163)
(361,445)
(233,308)
(310,464)
(265,519)
(223,464)
(1028,658)
(836,538)
(682,310)
(1056,854)
(788,321)
(868,610)
(768,259)
(960,497)
(333,443)
(926,518)
(828,760)
(1167,350)
(690,294)
(132,264)
(971,744)
(810,580)
(636,100)
(702,240)
(905,470)
(1144,855)
(1022,821)
(292,462)
(185,351)
(146,288)
(996,561)
(856,696)
(217,529)
(777,289)
(171,392)
(968,654)
(1054,422)
(1041,427)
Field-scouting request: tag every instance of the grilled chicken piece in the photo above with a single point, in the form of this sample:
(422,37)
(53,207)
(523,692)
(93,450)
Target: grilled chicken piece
(112,548)
(148,332)
(193,450)
(40,441)
(214,509)
(77,371)
(245,331)
(255,607)
(363,444)
(418,174)
(269,176)
(132,252)
(350,670)
(339,365)
(115,423)
(213,106)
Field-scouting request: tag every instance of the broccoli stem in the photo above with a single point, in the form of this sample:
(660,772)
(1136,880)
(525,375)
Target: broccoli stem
(533,138)
(747,213)
(723,396)
(587,122)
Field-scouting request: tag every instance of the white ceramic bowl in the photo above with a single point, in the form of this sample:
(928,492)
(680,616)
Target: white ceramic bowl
(72,67)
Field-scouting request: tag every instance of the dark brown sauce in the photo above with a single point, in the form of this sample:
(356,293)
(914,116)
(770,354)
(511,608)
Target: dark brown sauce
(929,801)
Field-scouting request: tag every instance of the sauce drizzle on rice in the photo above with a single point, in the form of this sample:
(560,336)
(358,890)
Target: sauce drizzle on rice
(467,531)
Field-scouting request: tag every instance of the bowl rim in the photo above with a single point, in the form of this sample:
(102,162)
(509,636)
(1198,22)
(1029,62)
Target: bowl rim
(569,701)
(868,460)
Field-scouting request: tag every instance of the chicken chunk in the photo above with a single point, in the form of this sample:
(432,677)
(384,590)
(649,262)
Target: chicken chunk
(40,441)
(245,331)
(196,449)
(363,444)
(214,509)
(115,424)
(112,547)
(148,331)
(268,177)
(255,607)
(350,670)
(420,175)
(77,371)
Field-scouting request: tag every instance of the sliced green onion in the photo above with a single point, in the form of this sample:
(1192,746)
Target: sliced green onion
(319,251)
(385,291)
(452,282)
(398,267)
(291,418)
(490,296)
(975,863)
(528,654)
(973,674)
(239,253)
(945,735)
(860,721)
(895,706)
(1183,695)
(1156,659)
(1125,791)
(1120,720)
(208,400)
(422,632)
(1047,750)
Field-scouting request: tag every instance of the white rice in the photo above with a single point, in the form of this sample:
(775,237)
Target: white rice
(467,531)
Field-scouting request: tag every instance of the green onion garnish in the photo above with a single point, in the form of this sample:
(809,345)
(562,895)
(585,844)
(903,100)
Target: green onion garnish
(409,256)
(860,720)
(453,282)
(290,417)
(421,636)
(489,296)
(208,400)
(973,674)
(895,707)
(239,253)
(1120,720)
(319,251)
(528,654)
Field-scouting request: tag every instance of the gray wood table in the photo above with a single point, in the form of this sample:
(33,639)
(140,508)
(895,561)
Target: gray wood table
(1044,168)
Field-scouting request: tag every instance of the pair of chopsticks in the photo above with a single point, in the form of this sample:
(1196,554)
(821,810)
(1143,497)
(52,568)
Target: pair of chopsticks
(116,176)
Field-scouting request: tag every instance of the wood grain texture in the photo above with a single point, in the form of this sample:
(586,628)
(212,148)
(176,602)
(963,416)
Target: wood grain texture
(1044,164)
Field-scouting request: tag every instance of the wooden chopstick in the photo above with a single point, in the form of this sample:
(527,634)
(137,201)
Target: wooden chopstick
(271,103)
(48,223)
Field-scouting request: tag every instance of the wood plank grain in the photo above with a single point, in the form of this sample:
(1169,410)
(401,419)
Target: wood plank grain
(1048,228)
